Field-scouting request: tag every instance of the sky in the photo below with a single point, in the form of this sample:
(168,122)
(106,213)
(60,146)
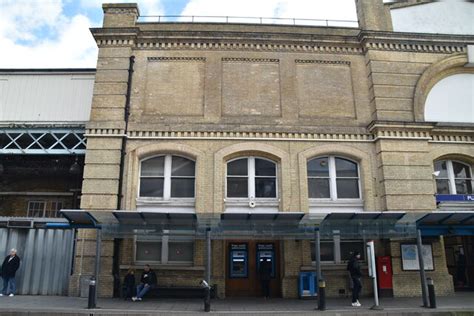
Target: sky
(55,33)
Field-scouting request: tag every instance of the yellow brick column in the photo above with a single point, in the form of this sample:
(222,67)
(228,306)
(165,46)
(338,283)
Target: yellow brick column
(105,134)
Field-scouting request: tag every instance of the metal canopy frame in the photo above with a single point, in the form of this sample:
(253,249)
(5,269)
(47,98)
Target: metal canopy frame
(447,223)
(280,224)
(51,141)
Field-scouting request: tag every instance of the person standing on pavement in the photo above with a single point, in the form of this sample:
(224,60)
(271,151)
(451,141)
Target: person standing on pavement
(265,273)
(9,267)
(129,284)
(147,282)
(354,269)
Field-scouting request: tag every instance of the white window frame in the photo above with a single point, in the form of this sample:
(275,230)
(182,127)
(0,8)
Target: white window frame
(332,180)
(58,207)
(165,241)
(29,211)
(167,180)
(251,180)
(451,177)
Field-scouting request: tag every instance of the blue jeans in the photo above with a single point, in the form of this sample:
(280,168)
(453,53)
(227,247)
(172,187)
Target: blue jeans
(142,290)
(9,285)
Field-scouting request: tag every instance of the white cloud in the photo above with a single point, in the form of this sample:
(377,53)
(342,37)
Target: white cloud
(37,34)
(73,47)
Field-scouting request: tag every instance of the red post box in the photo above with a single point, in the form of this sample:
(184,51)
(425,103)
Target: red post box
(384,275)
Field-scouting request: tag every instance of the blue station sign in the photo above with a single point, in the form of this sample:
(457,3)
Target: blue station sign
(455,198)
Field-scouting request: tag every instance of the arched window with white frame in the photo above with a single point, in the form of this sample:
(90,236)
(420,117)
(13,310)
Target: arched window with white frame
(167,177)
(453,177)
(333,178)
(251,178)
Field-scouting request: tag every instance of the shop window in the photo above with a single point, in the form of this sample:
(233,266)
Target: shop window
(167,177)
(453,177)
(327,251)
(337,250)
(251,178)
(163,250)
(333,178)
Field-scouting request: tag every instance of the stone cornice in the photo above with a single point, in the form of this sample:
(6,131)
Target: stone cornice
(428,131)
(349,43)
(105,37)
(396,132)
(248,46)
(415,42)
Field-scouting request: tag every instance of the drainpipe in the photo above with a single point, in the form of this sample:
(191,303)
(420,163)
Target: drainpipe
(124,138)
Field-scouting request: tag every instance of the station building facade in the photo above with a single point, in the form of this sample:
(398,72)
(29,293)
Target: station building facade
(211,118)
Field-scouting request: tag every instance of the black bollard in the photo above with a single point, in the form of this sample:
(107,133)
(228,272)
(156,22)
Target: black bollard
(207,295)
(91,303)
(431,293)
(322,295)
(207,299)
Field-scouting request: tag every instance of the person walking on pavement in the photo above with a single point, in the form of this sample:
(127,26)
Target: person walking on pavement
(354,269)
(9,267)
(265,273)
(147,282)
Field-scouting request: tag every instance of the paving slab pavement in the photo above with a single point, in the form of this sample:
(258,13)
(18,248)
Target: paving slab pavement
(462,304)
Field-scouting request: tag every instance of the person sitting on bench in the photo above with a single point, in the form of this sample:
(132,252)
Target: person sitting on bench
(147,282)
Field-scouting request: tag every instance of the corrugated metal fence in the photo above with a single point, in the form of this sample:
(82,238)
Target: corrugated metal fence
(46,258)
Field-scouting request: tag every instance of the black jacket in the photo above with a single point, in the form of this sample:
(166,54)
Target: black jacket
(129,281)
(148,278)
(265,271)
(9,267)
(354,267)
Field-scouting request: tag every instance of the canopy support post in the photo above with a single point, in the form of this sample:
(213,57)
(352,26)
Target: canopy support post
(424,286)
(97,259)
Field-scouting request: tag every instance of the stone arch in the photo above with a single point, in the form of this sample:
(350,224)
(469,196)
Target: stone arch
(361,157)
(252,149)
(463,154)
(135,155)
(440,70)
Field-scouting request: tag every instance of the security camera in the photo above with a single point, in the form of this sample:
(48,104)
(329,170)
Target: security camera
(436,173)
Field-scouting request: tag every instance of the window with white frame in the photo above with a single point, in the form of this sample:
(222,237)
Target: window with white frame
(54,208)
(337,250)
(333,178)
(44,208)
(36,208)
(251,178)
(164,250)
(454,177)
(167,177)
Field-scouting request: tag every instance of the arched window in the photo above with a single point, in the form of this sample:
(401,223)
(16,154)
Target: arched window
(333,178)
(167,177)
(450,100)
(251,178)
(453,177)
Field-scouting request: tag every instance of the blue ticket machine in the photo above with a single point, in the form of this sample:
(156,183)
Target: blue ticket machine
(238,261)
(266,252)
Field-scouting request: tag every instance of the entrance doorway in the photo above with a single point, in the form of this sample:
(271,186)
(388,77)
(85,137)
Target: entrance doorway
(243,259)
(460,260)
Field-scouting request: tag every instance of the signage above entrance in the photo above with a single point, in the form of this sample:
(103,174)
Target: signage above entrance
(455,198)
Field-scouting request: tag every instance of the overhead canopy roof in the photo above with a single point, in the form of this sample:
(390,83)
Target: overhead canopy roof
(447,223)
(274,225)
